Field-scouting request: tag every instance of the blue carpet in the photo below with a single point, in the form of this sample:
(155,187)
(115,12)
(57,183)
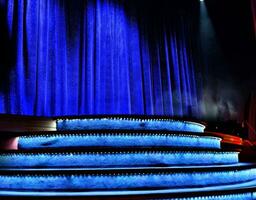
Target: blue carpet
(124,181)
(128,124)
(116,159)
(117,140)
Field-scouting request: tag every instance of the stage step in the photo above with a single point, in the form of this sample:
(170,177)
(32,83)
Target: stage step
(240,191)
(104,157)
(115,158)
(116,179)
(128,123)
(117,138)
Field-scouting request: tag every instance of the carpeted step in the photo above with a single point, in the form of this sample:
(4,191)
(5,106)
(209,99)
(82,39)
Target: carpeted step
(114,158)
(121,179)
(240,191)
(136,157)
(118,138)
(128,123)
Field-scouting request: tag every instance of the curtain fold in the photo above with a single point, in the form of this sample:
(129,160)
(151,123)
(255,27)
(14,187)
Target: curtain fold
(98,57)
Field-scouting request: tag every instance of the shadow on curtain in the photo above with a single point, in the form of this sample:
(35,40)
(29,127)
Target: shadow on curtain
(7,52)
(102,57)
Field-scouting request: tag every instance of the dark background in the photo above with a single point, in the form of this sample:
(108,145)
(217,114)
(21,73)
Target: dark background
(228,51)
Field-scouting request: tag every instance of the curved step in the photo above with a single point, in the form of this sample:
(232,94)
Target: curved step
(128,123)
(114,158)
(124,178)
(94,138)
(240,191)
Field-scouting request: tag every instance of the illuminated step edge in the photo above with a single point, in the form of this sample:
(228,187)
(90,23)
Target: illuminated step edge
(47,195)
(128,124)
(242,196)
(117,140)
(92,181)
(116,159)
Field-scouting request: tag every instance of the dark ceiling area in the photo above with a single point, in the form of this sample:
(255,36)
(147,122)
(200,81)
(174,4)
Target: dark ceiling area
(233,24)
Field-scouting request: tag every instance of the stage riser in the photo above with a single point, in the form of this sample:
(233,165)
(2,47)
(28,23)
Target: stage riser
(120,140)
(116,159)
(128,124)
(126,157)
(122,181)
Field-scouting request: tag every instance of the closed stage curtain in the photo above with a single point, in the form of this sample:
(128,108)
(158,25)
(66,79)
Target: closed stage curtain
(83,57)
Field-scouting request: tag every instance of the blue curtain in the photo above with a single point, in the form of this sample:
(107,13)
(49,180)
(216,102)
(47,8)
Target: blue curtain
(97,57)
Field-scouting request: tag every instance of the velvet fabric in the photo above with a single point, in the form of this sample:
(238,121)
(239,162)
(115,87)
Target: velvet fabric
(98,57)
